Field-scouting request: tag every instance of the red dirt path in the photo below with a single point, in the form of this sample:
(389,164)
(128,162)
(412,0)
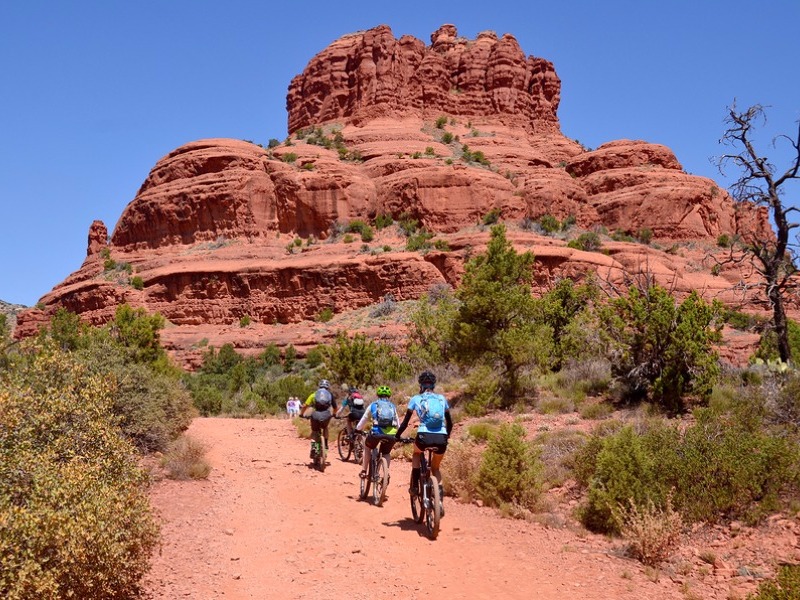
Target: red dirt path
(266,525)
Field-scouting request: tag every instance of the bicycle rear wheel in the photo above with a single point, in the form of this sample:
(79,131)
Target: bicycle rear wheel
(380,482)
(433,510)
(344,445)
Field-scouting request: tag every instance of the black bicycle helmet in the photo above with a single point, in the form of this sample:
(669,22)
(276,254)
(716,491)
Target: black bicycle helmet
(427,379)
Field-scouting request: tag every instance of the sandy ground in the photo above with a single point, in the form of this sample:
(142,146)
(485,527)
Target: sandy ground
(267,525)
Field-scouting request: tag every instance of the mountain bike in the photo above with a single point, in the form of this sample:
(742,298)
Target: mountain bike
(426,501)
(377,476)
(350,443)
(319,448)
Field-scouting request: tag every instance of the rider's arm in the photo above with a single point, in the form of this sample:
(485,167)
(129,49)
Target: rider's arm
(341,408)
(448,421)
(363,421)
(404,424)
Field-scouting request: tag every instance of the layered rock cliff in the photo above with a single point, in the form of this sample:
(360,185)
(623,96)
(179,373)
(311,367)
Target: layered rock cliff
(443,134)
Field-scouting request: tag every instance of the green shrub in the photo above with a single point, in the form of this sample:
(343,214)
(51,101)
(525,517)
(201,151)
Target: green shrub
(785,587)
(75,517)
(325,315)
(441,245)
(482,431)
(441,122)
(645,236)
(408,224)
(367,235)
(741,320)
(483,390)
(447,137)
(588,242)
(360,361)
(314,358)
(137,282)
(347,239)
(430,325)
(724,466)
(620,235)
(666,348)
(273,143)
(495,322)
(510,471)
(271,355)
(382,221)
(419,241)
(429,151)
(768,345)
(289,157)
(289,358)
(623,471)
(245,321)
(724,240)
(549,224)
(492,217)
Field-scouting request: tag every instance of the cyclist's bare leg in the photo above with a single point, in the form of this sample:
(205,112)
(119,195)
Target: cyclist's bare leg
(435,462)
(416,462)
(365,460)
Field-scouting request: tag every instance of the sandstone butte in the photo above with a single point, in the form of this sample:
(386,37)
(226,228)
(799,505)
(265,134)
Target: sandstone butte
(223,229)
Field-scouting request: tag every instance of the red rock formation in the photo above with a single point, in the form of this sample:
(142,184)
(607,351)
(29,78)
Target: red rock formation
(371,74)
(213,230)
(98,238)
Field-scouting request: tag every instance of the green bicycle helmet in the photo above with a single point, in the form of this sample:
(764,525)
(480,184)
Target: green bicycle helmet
(384,391)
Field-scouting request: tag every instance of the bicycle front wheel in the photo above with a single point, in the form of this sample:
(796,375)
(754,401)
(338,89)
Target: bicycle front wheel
(364,483)
(358,449)
(417,505)
(433,509)
(380,482)
(323,454)
(344,445)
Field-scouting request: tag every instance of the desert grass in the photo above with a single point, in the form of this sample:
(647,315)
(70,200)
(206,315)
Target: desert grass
(185,459)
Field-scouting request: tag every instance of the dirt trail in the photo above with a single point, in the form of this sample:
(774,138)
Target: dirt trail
(266,525)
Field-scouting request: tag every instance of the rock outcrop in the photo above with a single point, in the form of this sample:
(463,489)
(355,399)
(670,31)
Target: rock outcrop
(371,74)
(441,134)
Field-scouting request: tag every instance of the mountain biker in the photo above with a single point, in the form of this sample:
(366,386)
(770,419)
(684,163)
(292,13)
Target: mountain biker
(356,405)
(323,403)
(383,414)
(435,425)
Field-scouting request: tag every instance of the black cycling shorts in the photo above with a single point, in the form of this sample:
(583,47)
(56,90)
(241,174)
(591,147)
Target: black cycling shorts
(320,419)
(437,441)
(387,442)
(355,415)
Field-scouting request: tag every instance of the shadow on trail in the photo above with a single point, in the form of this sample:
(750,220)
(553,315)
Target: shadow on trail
(407,524)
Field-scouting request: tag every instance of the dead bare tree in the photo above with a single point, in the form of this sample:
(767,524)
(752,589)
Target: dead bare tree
(773,257)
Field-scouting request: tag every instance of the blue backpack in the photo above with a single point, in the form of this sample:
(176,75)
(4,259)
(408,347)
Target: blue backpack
(384,413)
(432,407)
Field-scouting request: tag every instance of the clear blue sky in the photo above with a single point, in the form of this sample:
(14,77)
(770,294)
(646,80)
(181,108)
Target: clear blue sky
(95,92)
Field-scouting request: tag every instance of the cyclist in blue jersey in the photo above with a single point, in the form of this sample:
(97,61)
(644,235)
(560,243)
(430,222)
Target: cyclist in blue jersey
(383,414)
(435,425)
